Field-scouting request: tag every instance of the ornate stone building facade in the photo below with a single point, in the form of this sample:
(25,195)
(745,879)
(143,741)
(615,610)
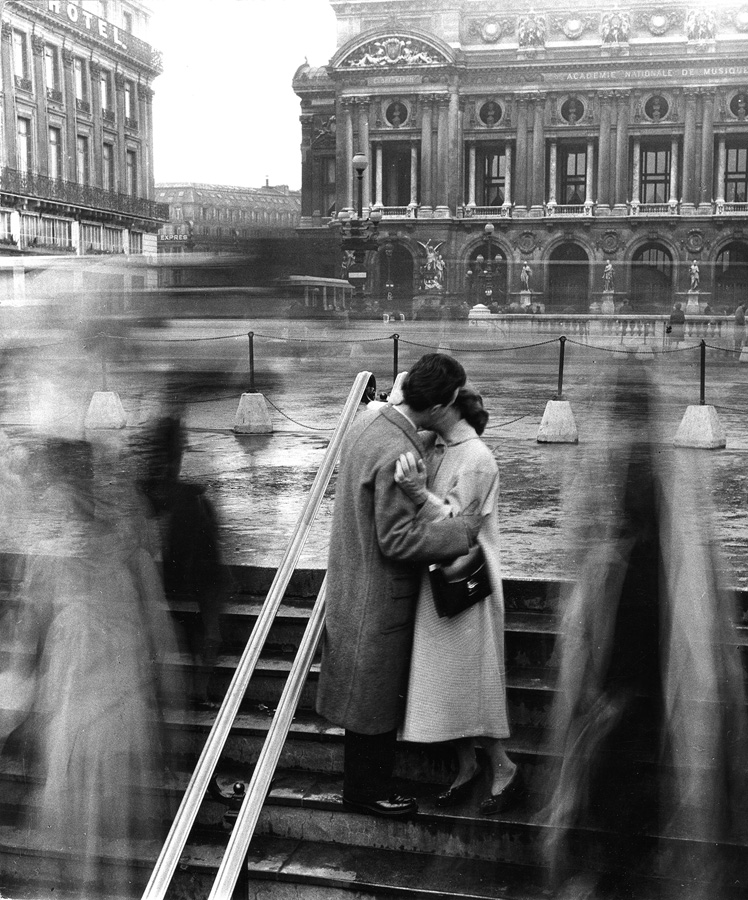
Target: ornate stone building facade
(579,134)
(76,148)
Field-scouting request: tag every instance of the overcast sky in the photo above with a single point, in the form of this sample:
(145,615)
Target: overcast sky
(224,111)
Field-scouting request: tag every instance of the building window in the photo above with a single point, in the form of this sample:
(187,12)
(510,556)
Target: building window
(106,90)
(91,237)
(20,56)
(736,175)
(129,100)
(136,242)
(491,177)
(52,67)
(177,212)
(81,85)
(573,170)
(25,160)
(83,160)
(113,240)
(131,161)
(107,158)
(655,169)
(55,152)
(127,21)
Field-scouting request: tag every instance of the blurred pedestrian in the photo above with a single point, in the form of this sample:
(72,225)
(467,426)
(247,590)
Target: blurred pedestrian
(677,324)
(738,328)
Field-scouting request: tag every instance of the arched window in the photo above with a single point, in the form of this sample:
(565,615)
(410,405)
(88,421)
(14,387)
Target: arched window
(652,278)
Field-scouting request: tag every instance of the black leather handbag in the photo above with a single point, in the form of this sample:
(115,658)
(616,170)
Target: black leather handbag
(456,593)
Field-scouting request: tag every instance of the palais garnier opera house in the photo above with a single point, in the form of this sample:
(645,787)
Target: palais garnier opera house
(579,133)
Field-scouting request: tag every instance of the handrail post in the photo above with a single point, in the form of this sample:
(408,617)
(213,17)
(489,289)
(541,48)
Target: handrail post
(395,356)
(251,337)
(702,400)
(562,346)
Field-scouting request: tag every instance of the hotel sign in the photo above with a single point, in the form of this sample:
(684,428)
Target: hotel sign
(87,22)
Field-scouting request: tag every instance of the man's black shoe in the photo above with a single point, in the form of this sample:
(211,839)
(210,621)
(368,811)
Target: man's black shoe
(392,807)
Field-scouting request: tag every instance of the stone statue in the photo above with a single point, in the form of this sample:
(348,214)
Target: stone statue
(524,276)
(701,25)
(531,31)
(432,271)
(614,28)
(695,277)
(608,276)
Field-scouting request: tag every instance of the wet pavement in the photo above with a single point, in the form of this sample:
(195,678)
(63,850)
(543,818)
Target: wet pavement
(259,483)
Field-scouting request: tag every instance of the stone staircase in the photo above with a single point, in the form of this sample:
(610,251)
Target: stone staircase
(308,846)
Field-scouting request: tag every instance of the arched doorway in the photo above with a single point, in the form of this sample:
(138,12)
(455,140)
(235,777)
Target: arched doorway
(652,278)
(486,282)
(396,272)
(730,277)
(568,278)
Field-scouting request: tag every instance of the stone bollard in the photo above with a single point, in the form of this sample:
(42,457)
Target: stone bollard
(105,411)
(700,428)
(252,416)
(558,425)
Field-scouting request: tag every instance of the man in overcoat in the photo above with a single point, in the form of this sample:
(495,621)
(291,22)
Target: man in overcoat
(378,545)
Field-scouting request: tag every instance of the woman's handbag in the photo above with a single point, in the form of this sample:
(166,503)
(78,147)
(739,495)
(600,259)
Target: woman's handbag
(454,594)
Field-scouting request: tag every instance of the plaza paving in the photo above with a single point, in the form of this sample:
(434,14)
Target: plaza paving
(259,483)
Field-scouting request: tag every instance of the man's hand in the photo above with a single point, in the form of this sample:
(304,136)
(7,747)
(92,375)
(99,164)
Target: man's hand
(410,474)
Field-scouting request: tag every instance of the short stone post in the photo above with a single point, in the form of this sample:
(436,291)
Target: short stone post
(105,409)
(557,425)
(252,416)
(700,427)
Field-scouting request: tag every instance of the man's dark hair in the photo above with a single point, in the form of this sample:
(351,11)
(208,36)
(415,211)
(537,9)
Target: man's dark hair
(432,380)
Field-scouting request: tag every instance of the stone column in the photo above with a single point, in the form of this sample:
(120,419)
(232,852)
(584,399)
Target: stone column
(69,166)
(689,151)
(97,169)
(552,172)
(348,198)
(520,187)
(538,156)
(145,111)
(8,146)
(603,166)
(636,173)
(589,197)
(341,193)
(119,95)
(471,175)
(413,175)
(508,177)
(309,188)
(721,173)
(42,123)
(454,144)
(426,126)
(621,165)
(363,146)
(674,171)
(706,187)
(442,158)
(379,174)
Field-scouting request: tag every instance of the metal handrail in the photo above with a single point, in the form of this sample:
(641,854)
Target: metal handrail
(173,847)
(246,821)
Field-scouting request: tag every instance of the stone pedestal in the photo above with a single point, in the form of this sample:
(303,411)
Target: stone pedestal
(693,304)
(105,411)
(700,428)
(608,304)
(252,416)
(558,425)
(525,298)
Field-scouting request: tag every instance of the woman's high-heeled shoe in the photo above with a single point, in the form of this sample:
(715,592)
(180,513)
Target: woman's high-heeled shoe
(506,798)
(457,794)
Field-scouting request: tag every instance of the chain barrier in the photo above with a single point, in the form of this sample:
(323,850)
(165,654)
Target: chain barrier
(477,349)
(295,421)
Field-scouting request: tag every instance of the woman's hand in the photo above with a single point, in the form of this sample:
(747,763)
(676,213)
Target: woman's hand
(410,474)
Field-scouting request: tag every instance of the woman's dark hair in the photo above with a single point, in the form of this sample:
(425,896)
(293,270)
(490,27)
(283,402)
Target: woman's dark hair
(432,380)
(371,383)
(470,404)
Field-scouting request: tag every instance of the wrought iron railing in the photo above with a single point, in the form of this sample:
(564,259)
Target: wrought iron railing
(107,115)
(131,123)
(82,106)
(30,184)
(54,95)
(24,84)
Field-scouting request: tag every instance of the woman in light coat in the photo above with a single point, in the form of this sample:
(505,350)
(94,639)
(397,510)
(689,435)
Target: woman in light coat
(457,688)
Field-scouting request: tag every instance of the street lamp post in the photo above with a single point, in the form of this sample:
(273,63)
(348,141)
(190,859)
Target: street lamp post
(488,230)
(389,287)
(359,235)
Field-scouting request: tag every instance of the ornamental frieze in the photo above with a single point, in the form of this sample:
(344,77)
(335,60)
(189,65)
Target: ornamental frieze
(573,26)
(531,31)
(488,30)
(614,27)
(701,25)
(739,18)
(661,21)
(394,51)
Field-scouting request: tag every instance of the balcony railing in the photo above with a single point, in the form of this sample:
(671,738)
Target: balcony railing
(723,208)
(399,212)
(487,212)
(570,210)
(107,115)
(54,95)
(29,184)
(29,242)
(82,105)
(24,84)
(131,123)
(654,209)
